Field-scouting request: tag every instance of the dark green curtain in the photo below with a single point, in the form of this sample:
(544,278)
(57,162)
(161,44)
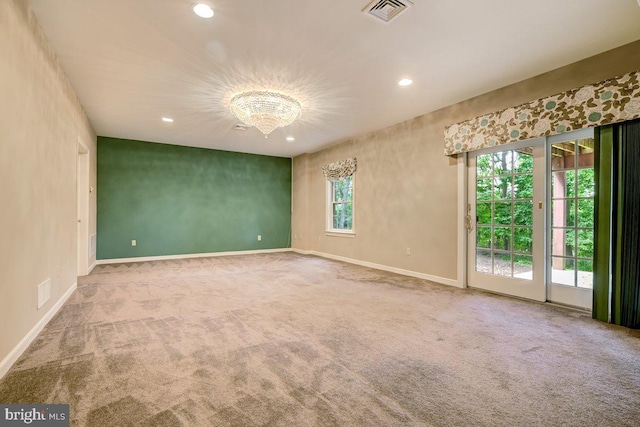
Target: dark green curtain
(617,225)
(602,222)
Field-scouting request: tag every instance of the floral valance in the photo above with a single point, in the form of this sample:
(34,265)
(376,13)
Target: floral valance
(611,101)
(340,170)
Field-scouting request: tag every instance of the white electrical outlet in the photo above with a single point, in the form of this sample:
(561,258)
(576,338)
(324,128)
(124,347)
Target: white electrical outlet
(408,251)
(134,243)
(44,293)
(259,237)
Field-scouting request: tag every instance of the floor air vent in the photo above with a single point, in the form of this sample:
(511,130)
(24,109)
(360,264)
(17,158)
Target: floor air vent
(386,10)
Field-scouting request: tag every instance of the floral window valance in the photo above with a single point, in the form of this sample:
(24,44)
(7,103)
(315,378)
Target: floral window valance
(339,170)
(611,101)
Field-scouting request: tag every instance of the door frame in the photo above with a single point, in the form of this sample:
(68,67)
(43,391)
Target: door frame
(558,294)
(82,209)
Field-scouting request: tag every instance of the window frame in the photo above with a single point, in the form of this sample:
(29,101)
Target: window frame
(329,230)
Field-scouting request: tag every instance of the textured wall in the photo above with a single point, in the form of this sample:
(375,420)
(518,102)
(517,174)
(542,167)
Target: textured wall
(180,200)
(406,190)
(41,121)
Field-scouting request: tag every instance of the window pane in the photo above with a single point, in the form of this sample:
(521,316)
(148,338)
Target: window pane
(483,212)
(484,263)
(503,163)
(484,167)
(483,189)
(563,213)
(502,238)
(562,242)
(502,213)
(523,160)
(502,264)
(563,184)
(562,271)
(523,213)
(337,190)
(342,216)
(523,186)
(586,183)
(563,155)
(585,274)
(349,188)
(585,243)
(501,177)
(523,267)
(342,190)
(585,153)
(502,187)
(523,239)
(585,213)
(483,237)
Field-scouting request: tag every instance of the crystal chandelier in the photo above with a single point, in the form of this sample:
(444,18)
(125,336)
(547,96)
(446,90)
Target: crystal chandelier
(265,109)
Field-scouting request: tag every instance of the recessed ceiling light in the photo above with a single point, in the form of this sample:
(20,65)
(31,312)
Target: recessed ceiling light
(203,10)
(405,82)
(290,139)
(167,120)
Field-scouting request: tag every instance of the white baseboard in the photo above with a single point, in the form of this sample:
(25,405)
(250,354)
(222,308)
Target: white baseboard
(184,256)
(302,251)
(92,266)
(17,351)
(437,279)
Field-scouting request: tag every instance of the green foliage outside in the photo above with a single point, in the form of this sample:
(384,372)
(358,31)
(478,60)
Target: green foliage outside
(507,179)
(504,191)
(343,205)
(583,219)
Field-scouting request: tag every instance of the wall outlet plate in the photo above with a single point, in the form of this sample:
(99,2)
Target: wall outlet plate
(134,243)
(259,237)
(44,293)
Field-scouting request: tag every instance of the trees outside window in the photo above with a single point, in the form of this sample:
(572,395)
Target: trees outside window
(340,204)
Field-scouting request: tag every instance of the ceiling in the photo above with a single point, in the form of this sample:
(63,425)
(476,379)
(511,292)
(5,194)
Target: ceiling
(132,62)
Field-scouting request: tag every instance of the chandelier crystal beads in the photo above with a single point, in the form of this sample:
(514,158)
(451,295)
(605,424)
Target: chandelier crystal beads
(266,110)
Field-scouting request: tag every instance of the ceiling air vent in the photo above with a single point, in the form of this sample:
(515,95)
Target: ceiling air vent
(241,126)
(386,10)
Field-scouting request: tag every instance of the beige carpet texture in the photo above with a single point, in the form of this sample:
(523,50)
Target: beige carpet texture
(292,340)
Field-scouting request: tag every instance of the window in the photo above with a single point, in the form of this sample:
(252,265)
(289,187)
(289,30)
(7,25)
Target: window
(340,197)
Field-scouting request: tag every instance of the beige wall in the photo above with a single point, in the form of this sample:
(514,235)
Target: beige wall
(406,189)
(40,123)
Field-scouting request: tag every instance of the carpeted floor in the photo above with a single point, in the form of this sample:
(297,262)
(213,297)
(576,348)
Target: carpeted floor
(291,340)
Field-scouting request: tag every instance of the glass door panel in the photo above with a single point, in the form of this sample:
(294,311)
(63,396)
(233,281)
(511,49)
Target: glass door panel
(571,192)
(506,221)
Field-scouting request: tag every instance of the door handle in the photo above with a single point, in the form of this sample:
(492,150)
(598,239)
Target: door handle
(468,224)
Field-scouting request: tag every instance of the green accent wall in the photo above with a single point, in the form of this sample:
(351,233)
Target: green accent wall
(181,200)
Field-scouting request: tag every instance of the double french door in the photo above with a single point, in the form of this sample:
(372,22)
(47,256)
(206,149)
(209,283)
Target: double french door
(530,219)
